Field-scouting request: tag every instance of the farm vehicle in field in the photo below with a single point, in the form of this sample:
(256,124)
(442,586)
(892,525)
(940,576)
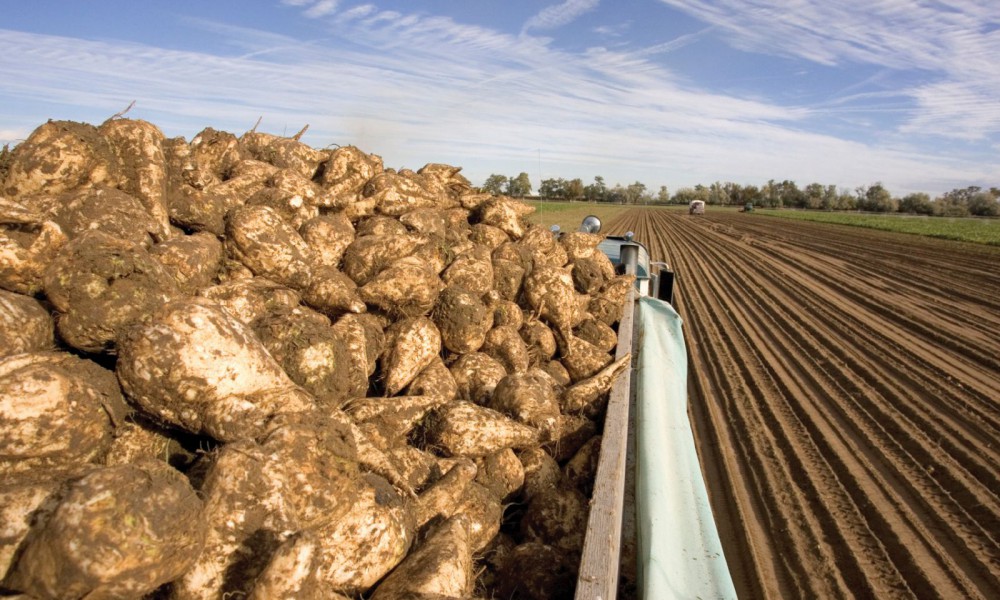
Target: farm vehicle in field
(650,523)
(697,207)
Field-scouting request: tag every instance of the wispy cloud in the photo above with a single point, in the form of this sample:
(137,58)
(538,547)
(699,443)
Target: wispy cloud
(955,45)
(418,88)
(321,9)
(357,12)
(613,30)
(888,33)
(957,108)
(558,15)
(676,43)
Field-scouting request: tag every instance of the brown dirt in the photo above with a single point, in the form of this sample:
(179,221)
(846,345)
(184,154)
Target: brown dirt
(843,388)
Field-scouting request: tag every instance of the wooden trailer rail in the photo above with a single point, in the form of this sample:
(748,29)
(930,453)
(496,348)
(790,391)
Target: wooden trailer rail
(602,547)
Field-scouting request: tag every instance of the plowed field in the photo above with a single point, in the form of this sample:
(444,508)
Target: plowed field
(844,387)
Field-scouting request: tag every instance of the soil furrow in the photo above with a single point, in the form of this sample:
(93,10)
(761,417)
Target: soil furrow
(766,468)
(843,392)
(793,341)
(791,519)
(800,383)
(898,387)
(806,469)
(941,471)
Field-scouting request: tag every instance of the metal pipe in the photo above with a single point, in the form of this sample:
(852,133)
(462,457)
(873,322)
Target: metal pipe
(630,257)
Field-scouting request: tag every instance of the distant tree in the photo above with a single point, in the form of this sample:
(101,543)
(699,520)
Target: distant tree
(686,195)
(495,184)
(814,194)
(846,200)
(881,199)
(917,204)
(875,198)
(682,195)
(962,195)
(954,203)
(791,195)
(574,189)
(950,207)
(634,192)
(717,194)
(519,186)
(974,200)
(829,198)
(596,191)
(735,193)
(984,204)
(663,196)
(771,194)
(616,195)
(750,193)
(552,188)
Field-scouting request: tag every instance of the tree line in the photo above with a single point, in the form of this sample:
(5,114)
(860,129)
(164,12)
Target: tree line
(959,202)
(574,189)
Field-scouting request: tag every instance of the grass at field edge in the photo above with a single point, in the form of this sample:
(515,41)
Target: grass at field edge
(974,230)
(568,215)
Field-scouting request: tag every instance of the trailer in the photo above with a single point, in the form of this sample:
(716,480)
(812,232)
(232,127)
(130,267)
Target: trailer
(654,279)
(650,523)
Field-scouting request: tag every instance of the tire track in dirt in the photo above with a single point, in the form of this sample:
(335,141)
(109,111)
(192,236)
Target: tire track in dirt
(922,295)
(925,407)
(941,471)
(844,402)
(792,383)
(898,258)
(775,465)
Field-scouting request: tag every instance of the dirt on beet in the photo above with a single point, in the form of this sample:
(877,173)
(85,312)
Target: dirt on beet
(239,366)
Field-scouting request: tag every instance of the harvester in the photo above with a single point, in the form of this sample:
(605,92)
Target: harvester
(650,524)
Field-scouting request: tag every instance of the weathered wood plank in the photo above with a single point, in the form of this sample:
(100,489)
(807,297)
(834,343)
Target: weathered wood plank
(598,575)
(628,575)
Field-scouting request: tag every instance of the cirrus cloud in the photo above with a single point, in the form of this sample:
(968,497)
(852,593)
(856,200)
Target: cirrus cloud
(557,15)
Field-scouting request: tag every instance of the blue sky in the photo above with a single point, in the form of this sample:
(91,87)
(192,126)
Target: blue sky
(665,92)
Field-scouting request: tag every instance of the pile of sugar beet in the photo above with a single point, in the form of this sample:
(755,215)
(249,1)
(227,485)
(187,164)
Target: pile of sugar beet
(242,367)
